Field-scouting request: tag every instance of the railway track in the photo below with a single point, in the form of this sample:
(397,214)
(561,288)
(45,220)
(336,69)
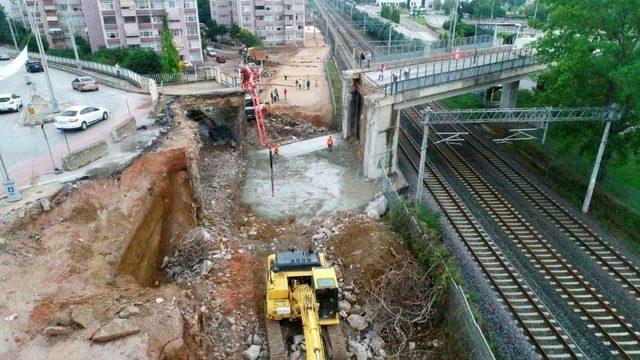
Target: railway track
(353,41)
(608,258)
(604,320)
(544,332)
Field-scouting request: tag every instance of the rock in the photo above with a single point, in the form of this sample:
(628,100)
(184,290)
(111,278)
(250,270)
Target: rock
(82,315)
(165,261)
(349,297)
(252,352)
(297,339)
(159,300)
(343,314)
(357,322)
(435,343)
(249,340)
(412,346)
(376,344)
(57,330)
(344,305)
(111,259)
(257,340)
(295,355)
(129,311)
(174,350)
(115,329)
(62,317)
(377,207)
(46,204)
(359,350)
(207,265)
(264,354)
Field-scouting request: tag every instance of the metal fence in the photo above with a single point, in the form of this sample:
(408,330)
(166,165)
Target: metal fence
(126,74)
(459,312)
(458,69)
(414,49)
(196,74)
(336,111)
(618,190)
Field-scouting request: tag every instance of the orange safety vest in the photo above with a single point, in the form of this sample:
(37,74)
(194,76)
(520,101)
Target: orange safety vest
(276,149)
(330,142)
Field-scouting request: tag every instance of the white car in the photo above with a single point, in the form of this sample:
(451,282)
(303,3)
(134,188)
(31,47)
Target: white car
(80,117)
(10,102)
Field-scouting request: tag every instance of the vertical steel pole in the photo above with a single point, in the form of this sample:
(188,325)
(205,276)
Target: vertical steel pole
(596,168)
(73,39)
(423,157)
(5,173)
(13,34)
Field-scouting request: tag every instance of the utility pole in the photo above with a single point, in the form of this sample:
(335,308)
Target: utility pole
(455,20)
(36,32)
(493,5)
(535,12)
(13,34)
(73,38)
(389,45)
(423,156)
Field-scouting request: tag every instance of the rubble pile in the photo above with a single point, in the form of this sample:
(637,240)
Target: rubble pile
(289,128)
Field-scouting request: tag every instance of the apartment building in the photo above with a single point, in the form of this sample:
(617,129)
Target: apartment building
(56,20)
(114,23)
(275,22)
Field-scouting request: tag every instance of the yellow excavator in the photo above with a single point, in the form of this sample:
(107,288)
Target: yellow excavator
(301,286)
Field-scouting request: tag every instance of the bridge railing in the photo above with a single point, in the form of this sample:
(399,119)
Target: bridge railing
(458,69)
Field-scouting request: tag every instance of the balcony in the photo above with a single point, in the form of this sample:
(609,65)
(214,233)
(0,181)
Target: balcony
(131,33)
(52,18)
(113,41)
(133,41)
(128,12)
(49,8)
(127,4)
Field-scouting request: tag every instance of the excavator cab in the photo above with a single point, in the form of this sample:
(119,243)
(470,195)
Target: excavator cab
(301,286)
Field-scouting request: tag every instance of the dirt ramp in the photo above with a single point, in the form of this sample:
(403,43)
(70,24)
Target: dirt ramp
(167,213)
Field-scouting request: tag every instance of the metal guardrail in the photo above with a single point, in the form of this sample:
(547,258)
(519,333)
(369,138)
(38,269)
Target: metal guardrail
(415,49)
(126,74)
(469,69)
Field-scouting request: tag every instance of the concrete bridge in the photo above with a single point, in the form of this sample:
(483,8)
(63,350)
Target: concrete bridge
(371,103)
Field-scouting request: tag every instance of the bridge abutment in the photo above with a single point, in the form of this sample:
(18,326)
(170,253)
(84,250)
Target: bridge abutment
(509,95)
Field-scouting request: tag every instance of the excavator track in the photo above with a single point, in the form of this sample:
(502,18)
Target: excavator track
(277,347)
(337,342)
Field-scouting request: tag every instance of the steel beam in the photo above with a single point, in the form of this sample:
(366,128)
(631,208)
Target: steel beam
(475,116)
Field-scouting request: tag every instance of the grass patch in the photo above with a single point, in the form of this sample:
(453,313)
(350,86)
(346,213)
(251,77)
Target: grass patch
(418,20)
(465,101)
(336,85)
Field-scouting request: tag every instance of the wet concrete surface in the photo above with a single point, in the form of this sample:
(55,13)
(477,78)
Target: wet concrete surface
(309,180)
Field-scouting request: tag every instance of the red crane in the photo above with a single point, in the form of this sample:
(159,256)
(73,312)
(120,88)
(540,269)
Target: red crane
(250,78)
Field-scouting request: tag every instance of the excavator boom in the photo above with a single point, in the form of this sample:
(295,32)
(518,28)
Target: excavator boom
(305,300)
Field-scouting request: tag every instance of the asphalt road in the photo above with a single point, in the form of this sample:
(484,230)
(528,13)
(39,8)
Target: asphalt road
(24,149)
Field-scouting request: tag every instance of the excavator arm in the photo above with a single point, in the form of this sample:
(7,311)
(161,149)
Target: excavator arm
(305,301)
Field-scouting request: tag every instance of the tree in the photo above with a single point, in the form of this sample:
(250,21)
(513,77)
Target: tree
(384,12)
(395,15)
(448,5)
(30,41)
(482,9)
(437,5)
(170,55)
(143,61)
(214,30)
(591,50)
(234,31)
(110,56)
(204,11)
(248,39)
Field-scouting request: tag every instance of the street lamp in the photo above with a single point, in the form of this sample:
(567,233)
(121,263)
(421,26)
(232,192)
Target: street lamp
(493,5)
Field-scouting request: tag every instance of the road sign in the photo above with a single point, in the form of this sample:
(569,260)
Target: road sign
(30,109)
(12,191)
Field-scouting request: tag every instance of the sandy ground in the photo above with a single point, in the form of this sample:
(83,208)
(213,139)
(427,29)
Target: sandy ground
(302,63)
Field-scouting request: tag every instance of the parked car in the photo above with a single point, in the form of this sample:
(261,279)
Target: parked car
(210,51)
(4,56)
(220,59)
(85,83)
(34,66)
(10,102)
(80,117)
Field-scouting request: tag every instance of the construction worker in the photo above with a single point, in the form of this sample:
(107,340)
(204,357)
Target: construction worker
(284,90)
(330,142)
(285,76)
(276,151)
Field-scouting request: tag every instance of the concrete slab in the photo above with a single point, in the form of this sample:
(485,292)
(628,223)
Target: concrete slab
(310,181)
(29,195)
